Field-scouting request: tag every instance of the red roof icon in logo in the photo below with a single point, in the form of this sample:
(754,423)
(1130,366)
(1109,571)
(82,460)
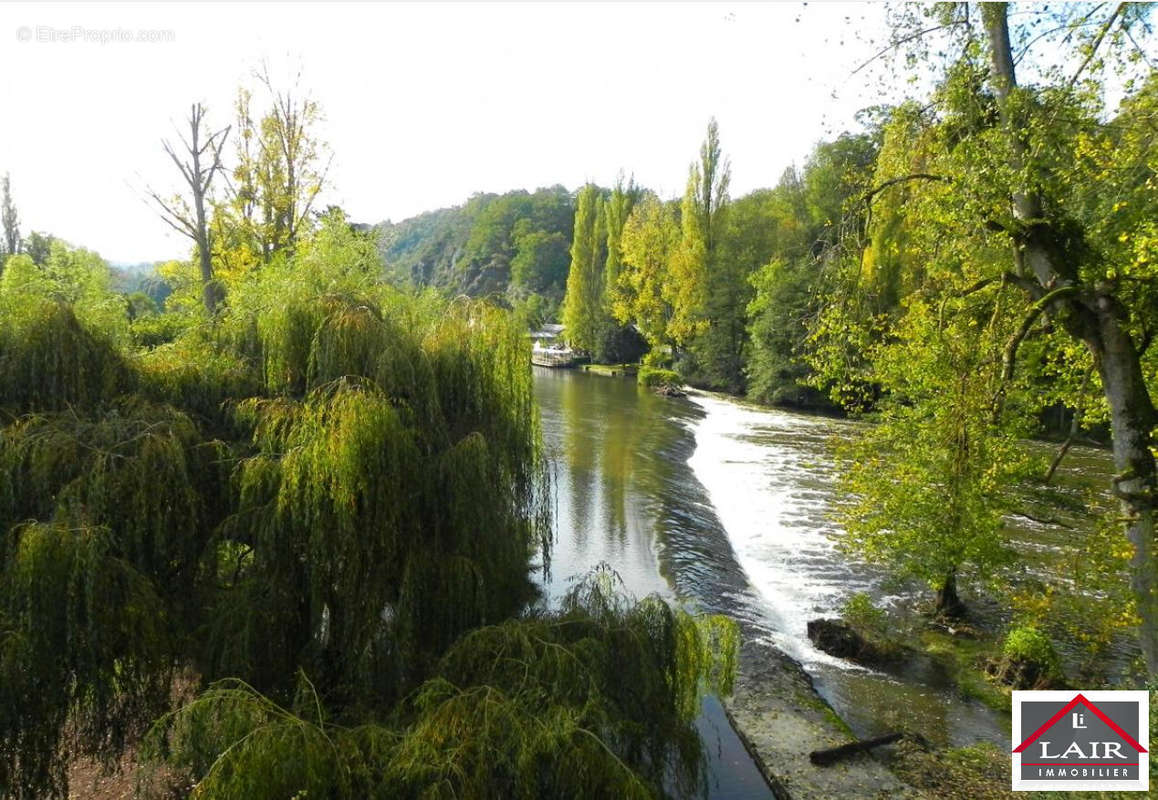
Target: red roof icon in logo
(1065,710)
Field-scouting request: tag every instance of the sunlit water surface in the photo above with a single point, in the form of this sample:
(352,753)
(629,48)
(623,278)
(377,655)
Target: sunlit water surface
(728,508)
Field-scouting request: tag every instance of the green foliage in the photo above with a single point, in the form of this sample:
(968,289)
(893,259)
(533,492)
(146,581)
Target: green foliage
(533,311)
(929,484)
(37,246)
(778,311)
(927,494)
(616,211)
(50,361)
(792,358)
(860,612)
(95,594)
(584,311)
(84,643)
(540,262)
(596,699)
(703,214)
(76,277)
(641,294)
(330,475)
(491,242)
(655,377)
(1026,643)
(152,330)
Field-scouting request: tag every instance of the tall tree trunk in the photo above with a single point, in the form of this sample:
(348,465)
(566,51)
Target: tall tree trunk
(1132,419)
(1094,316)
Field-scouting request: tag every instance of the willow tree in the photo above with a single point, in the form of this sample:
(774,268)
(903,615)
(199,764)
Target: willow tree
(335,480)
(393,506)
(104,516)
(597,699)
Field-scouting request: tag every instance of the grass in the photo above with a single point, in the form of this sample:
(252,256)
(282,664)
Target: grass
(963,659)
(611,370)
(976,772)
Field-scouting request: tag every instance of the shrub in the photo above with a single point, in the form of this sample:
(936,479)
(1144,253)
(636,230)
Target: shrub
(1028,660)
(858,610)
(654,377)
(1027,643)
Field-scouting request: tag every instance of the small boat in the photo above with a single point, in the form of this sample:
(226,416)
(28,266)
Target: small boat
(556,355)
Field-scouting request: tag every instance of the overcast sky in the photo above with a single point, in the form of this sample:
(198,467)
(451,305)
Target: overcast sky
(424,104)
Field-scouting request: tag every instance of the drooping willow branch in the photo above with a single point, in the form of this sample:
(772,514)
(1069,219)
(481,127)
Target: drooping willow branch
(1009,359)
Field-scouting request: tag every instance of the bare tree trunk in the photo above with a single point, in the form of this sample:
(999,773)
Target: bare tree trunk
(203,154)
(1093,315)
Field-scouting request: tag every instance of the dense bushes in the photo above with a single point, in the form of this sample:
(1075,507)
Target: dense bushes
(594,700)
(331,479)
(657,377)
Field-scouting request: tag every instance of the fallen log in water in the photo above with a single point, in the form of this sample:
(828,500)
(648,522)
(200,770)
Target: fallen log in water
(833,754)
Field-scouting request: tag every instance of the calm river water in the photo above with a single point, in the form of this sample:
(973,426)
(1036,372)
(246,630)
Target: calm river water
(727,507)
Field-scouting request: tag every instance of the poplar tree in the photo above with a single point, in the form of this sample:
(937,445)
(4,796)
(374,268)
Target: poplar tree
(702,219)
(10,221)
(583,303)
(616,211)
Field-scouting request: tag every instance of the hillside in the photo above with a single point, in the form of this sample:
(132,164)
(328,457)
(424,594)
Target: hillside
(517,242)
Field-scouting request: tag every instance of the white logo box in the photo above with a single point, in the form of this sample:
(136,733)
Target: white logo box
(1141,784)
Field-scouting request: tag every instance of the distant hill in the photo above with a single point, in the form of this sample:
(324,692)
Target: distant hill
(140,268)
(517,242)
(140,277)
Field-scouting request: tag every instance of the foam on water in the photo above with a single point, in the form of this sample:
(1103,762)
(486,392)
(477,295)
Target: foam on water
(769,477)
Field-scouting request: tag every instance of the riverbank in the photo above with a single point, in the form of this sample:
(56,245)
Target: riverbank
(726,507)
(781,718)
(750,533)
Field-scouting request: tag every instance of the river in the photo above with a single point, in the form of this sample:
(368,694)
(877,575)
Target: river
(727,508)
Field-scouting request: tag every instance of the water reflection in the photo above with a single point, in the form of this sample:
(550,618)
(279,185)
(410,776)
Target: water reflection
(624,495)
(728,508)
(594,430)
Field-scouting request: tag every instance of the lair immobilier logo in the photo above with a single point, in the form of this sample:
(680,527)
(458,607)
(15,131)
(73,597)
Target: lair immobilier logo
(1078,741)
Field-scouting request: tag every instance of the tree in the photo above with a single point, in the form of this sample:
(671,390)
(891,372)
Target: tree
(38,246)
(10,221)
(281,169)
(1000,192)
(199,162)
(541,259)
(616,211)
(642,292)
(329,508)
(696,259)
(583,314)
(797,229)
(1053,265)
(929,484)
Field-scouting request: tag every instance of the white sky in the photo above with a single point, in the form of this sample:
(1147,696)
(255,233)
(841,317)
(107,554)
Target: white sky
(424,105)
